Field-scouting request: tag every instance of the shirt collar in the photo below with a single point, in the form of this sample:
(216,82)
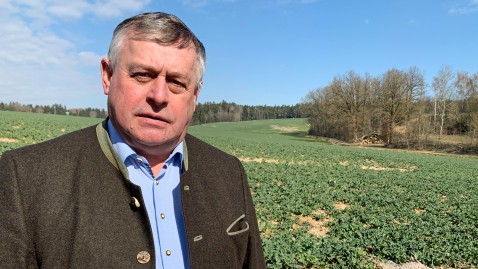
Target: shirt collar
(124,151)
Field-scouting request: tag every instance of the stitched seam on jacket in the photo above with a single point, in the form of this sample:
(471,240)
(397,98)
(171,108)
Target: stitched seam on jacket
(228,230)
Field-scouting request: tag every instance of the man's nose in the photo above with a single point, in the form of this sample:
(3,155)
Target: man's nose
(158,92)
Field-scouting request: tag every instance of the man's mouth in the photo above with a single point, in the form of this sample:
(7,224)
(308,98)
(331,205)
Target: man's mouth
(154,117)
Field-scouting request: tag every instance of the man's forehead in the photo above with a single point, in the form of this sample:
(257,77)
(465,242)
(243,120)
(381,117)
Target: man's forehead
(157,39)
(131,46)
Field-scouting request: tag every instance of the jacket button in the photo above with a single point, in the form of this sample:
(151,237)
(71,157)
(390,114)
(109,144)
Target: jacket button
(143,257)
(134,202)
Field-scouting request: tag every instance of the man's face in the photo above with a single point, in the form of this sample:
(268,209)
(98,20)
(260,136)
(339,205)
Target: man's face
(152,94)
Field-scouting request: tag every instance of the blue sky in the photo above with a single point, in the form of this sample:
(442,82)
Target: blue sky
(260,52)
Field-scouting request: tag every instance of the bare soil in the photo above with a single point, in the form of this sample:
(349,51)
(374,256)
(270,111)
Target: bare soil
(7,140)
(444,148)
(408,265)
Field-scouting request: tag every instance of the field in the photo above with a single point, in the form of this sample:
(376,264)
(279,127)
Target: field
(20,129)
(321,205)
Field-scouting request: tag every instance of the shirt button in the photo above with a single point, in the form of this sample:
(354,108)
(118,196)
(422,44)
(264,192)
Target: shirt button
(168,252)
(135,202)
(143,257)
(163,216)
(139,160)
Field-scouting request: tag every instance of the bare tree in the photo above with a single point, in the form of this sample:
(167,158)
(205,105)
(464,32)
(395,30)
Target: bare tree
(444,91)
(324,118)
(393,94)
(467,86)
(349,96)
(415,105)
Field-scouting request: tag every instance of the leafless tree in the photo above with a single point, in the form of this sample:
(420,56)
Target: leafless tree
(444,91)
(393,96)
(350,94)
(467,86)
(415,120)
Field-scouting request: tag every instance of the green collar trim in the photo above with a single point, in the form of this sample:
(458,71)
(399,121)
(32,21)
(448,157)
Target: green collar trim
(109,152)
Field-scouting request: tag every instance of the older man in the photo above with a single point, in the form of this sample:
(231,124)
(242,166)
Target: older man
(135,191)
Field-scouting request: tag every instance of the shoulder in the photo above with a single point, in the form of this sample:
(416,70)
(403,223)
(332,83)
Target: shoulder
(197,146)
(202,153)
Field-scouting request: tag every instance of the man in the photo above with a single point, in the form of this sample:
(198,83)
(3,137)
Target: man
(135,191)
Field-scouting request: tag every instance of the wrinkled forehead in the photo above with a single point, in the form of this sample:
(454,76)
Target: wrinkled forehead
(175,39)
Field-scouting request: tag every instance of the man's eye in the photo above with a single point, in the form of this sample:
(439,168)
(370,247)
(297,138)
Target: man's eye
(176,86)
(143,77)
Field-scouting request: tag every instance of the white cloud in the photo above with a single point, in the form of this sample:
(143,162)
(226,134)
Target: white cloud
(471,7)
(45,11)
(195,3)
(203,3)
(89,58)
(6,7)
(40,64)
(70,9)
(114,8)
(21,44)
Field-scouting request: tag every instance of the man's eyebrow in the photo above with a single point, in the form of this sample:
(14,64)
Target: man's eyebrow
(175,74)
(132,67)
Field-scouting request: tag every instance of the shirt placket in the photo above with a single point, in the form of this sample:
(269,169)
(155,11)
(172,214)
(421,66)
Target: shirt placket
(163,191)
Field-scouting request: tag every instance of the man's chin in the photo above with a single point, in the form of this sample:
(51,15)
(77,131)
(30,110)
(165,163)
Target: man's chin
(155,145)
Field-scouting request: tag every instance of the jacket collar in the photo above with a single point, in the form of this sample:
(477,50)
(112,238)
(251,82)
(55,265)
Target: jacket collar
(112,156)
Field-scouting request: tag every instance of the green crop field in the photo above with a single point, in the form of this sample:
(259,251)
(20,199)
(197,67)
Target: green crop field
(20,128)
(322,205)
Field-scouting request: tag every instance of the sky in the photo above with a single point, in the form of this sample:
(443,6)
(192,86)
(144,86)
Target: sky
(259,52)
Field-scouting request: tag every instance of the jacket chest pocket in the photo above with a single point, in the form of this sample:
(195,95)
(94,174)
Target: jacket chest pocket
(223,242)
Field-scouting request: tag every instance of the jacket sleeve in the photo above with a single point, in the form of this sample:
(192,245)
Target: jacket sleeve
(255,254)
(16,248)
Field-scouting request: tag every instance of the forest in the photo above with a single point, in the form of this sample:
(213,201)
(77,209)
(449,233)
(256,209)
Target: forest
(397,108)
(56,109)
(205,112)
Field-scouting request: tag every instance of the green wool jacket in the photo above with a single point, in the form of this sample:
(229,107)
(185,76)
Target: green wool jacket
(68,203)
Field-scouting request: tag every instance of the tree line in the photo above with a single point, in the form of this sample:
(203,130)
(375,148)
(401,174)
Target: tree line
(205,112)
(56,109)
(396,106)
(224,111)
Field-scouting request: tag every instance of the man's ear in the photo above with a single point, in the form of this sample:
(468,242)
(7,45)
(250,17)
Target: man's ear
(106,73)
(196,94)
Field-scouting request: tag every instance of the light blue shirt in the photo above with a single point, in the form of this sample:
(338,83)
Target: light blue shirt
(162,198)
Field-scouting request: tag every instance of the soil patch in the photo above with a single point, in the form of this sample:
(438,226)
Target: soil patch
(7,140)
(409,265)
(317,227)
(265,160)
(372,165)
(341,206)
(379,168)
(285,129)
(258,160)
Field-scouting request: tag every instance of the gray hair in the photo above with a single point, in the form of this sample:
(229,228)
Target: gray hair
(159,27)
